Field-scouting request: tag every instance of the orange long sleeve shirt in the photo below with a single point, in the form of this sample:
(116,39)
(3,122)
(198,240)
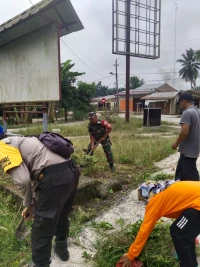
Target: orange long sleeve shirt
(169,203)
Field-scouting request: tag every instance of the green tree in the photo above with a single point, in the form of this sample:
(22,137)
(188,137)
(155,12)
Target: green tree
(68,79)
(101,90)
(135,82)
(197,54)
(83,95)
(191,66)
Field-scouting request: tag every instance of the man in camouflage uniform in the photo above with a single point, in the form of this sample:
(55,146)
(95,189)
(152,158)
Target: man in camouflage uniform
(99,131)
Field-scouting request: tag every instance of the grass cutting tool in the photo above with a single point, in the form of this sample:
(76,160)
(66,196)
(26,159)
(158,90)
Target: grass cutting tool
(94,148)
(22,230)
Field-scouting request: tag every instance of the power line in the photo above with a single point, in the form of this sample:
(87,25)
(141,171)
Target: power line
(31,2)
(150,73)
(102,79)
(81,59)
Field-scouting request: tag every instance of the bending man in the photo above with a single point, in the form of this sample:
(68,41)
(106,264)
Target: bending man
(48,183)
(177,200)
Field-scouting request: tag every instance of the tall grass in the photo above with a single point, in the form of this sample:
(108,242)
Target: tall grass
(13,253)
(79,129)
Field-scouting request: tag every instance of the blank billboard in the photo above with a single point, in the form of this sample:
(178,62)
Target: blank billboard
(30,67)
(144,29)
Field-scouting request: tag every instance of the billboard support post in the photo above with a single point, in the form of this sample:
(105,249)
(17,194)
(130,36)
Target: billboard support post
(128,24)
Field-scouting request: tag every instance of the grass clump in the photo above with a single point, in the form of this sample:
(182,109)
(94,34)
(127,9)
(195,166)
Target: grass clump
(78,219)
(14,253)
(156,253)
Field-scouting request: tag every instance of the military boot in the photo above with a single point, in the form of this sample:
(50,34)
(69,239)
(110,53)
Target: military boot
(61,250)
(112,168)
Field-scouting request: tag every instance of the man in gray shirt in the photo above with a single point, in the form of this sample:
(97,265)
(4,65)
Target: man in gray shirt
(48,183)
(188,140)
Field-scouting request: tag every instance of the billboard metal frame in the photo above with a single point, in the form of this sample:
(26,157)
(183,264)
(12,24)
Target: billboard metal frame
(144,27)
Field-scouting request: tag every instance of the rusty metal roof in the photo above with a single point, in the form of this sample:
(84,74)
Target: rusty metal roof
(160,96)
(39,15)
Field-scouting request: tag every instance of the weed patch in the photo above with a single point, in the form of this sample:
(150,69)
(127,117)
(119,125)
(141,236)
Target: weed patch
(156,253)
(14,253)
(78,219)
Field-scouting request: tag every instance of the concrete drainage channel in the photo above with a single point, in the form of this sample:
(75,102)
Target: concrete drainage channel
(88,236)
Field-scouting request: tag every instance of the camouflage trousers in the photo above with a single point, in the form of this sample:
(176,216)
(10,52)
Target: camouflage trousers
(106,145)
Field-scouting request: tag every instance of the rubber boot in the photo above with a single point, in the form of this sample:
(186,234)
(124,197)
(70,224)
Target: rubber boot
(61,250)
(112,168)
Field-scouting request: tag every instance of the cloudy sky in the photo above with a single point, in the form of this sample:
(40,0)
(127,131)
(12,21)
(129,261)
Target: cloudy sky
(93,45)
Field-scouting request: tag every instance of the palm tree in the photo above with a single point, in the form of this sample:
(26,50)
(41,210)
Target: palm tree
(191,67)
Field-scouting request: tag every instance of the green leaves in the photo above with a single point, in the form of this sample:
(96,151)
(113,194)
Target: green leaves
(191,66)
(135,82)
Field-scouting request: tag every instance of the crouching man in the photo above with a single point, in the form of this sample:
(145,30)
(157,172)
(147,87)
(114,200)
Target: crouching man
(48,183)
(177,200)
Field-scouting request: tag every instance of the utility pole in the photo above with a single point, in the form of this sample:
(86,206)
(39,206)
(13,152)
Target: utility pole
(116,83)
(176,7)
(116,75)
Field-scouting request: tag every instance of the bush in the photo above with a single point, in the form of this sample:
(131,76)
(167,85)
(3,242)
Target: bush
(79,115)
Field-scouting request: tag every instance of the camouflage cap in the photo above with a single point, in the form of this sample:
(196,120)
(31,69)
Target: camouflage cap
(92,115)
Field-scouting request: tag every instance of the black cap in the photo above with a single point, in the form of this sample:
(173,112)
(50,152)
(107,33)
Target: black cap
(185,96)
(92,115)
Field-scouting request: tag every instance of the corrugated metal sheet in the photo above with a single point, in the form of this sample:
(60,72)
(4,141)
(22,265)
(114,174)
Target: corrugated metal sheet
(39,15)
(149,86)
(160,96)
(134,92)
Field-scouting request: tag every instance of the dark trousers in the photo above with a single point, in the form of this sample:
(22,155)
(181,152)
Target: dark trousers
(186,169)
(183,231)
(57,190)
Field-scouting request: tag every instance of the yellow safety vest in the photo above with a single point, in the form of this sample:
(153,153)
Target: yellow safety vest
(10,156)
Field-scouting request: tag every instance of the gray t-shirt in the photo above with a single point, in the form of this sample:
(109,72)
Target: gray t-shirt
(190,147)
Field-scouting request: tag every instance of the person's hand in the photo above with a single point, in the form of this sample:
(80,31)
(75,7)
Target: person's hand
(174,146)
(102,139)
(92,147)
(27,213)
(125,261)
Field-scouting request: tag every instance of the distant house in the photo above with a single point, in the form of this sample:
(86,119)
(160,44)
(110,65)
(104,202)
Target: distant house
(154,95)
(164,100)
(109,103)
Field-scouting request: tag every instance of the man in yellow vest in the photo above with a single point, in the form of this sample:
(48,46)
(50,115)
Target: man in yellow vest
(177,200)
(48,183)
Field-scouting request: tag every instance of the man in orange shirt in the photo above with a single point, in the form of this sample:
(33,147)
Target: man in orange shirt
(176,200)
